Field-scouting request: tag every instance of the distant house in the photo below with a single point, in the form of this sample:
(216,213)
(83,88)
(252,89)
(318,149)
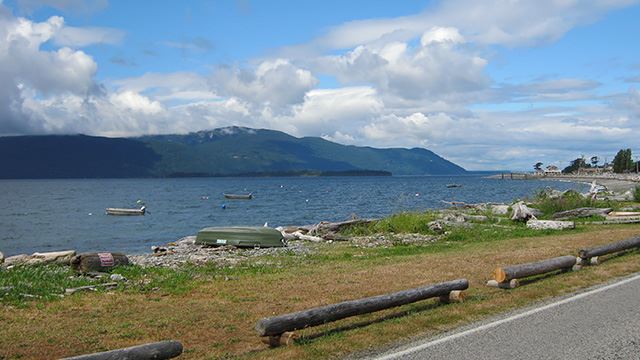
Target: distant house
(552,170)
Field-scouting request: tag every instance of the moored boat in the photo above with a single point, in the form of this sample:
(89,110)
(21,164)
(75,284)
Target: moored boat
(126,212)
(240,237)
(248,196)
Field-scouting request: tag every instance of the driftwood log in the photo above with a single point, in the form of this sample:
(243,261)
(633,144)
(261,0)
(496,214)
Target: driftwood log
(586,254)
(111,285)
(507,273)
(521,212)
(580,213)
(152,351)
(98,262)
(550,224)
(324,227)
(274,326)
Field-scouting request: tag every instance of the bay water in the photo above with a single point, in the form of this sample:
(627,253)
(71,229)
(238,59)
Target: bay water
(51,215)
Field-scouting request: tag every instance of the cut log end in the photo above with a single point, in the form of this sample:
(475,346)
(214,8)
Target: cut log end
(594,260)
(500,275)
(512,284)
(453,296)
(285,339)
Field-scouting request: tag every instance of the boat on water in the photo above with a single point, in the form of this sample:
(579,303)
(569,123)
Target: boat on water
(246,236)
(248,196)
(454,185)
(126,212)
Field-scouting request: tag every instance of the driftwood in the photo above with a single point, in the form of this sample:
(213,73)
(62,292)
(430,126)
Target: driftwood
(580,213)
(98,262)
(520,212)
(550,225)
(320,315)
(156,351)
(57,257)
(332,228)
(627,244)
(504,274)
(91,288)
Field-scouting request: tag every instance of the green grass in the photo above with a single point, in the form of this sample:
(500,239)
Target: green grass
(23,284)
(405,222)
(569,200)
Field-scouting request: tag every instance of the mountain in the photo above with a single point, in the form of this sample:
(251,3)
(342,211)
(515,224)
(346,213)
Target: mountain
(220,152)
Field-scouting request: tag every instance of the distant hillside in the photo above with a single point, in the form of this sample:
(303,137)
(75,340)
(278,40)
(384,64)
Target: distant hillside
(221,152)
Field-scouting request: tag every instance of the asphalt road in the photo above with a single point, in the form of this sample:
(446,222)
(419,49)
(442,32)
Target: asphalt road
(601,323)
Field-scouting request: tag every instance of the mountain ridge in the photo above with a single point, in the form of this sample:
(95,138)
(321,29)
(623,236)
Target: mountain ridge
(225,151)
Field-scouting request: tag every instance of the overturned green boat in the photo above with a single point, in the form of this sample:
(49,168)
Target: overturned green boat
(240,236)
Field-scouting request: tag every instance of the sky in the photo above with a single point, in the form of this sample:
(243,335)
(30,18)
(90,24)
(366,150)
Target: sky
(495,84)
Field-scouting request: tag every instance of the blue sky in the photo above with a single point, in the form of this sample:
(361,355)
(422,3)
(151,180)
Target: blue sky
(487,84)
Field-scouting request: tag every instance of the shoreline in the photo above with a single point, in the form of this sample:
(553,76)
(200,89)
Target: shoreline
(617,183)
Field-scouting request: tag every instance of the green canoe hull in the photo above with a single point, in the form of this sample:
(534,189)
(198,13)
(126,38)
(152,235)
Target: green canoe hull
(240,236)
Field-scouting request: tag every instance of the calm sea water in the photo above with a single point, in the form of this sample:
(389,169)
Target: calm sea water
(50,215)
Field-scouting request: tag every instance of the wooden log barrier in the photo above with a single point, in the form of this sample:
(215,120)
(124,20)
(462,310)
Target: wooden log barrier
(152,351)
(593,253)
(505,274)
(277,325)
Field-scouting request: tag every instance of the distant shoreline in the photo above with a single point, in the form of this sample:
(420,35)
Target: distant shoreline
(618,183)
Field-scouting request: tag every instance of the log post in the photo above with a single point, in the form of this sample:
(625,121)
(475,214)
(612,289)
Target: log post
(512,284)
(453,296)
(287,338)
(503,274)
(627,244)
(299,320)
(156,351)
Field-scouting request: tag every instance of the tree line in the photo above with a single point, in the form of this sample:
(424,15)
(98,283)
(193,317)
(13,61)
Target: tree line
(622,163)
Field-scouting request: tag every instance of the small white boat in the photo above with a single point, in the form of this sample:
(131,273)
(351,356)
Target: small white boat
(125,212)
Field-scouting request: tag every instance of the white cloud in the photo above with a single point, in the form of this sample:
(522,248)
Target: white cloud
(510,23)
(433,70)
(276,83)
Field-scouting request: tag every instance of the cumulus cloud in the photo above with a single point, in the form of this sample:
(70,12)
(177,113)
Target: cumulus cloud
(28,72)
(434,69)
(274,83)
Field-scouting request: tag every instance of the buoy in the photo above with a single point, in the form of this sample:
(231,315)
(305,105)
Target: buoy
(223,206)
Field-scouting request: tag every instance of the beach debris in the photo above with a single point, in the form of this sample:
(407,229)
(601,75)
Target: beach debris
(520,212)
(499,209)
(186,251)
(107,286)
(550,224)
(436,226)
(581,213)
(98,262)
(56,257)
(117,277)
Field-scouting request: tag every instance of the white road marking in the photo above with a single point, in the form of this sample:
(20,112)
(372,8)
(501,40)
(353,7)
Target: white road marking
(505,320)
